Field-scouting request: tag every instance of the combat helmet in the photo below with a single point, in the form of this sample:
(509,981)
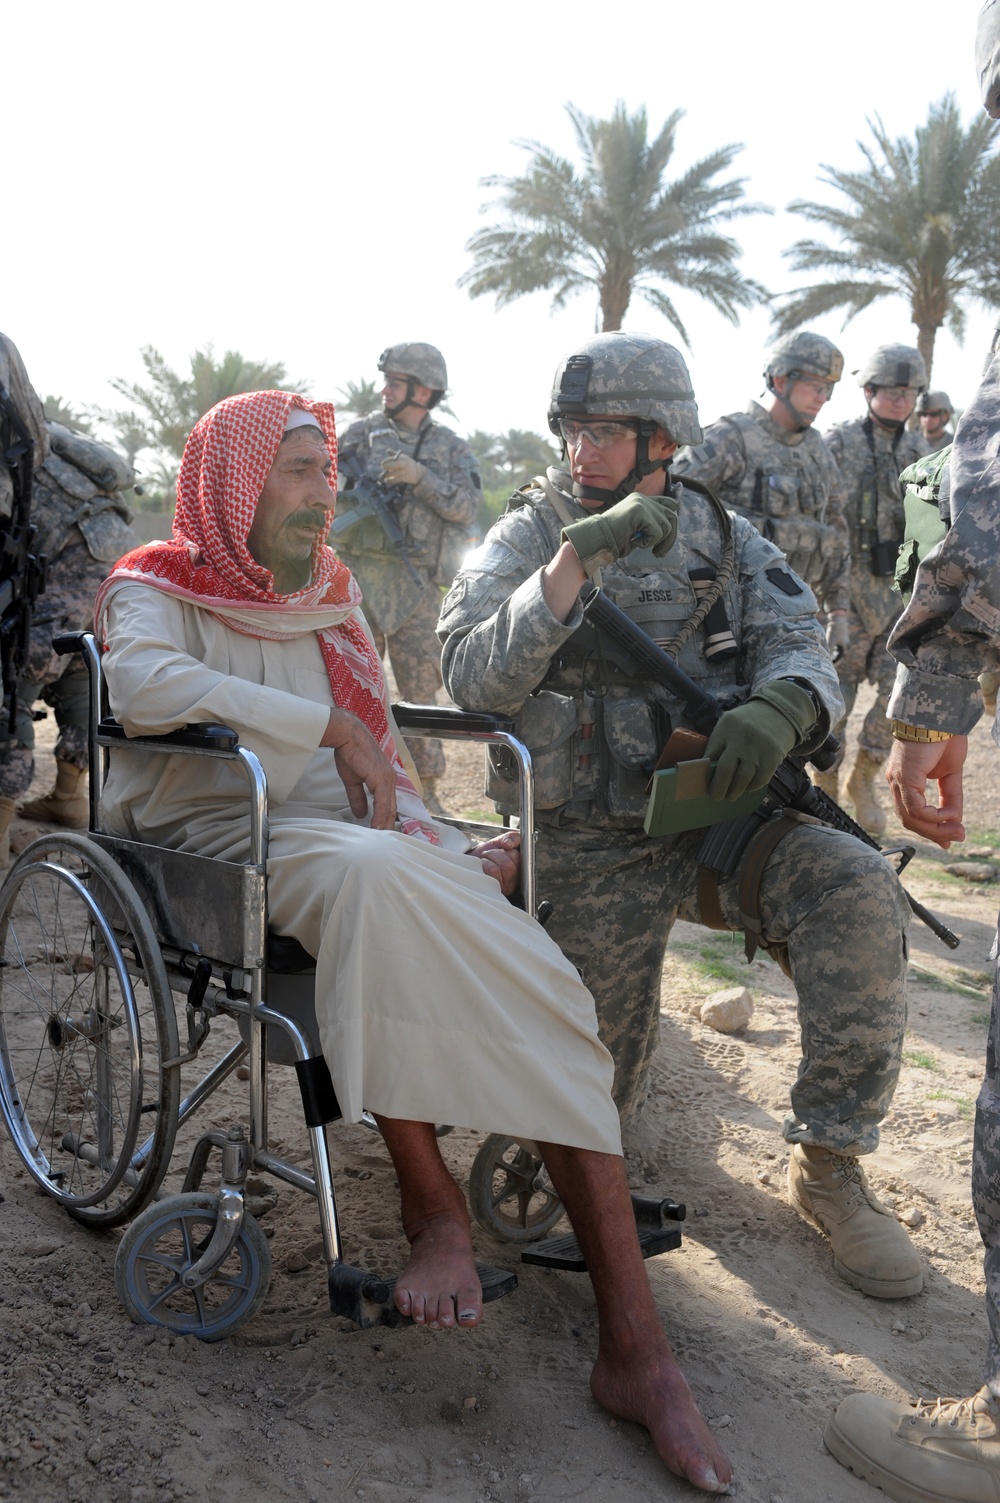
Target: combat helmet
(935,401)
(988,57)
(802,353)
(620,375)
(422,365)
(894,365)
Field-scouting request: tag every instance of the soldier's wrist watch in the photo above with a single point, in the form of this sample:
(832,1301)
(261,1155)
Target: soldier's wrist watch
(903,732)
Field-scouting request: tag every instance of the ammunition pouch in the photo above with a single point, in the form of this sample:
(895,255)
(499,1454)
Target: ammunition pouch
(806,543)
(884,556)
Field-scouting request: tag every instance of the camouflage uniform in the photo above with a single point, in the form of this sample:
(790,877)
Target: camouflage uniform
(949,633)
(870,461)
(82,520)
(436,517)
(787,485)
(595,731)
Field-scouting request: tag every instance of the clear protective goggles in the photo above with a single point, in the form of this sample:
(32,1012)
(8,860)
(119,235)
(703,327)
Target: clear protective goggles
(603,434)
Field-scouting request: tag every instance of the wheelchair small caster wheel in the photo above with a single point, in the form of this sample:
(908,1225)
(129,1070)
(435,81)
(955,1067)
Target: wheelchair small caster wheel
(165,1241)
(510,1193)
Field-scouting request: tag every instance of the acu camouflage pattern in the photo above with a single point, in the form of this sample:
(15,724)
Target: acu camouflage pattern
(82,520)
(874,513)
(14,377)
(436,517)
(629,376)
(946,637)
(809,354)
(787,485)
(594,731)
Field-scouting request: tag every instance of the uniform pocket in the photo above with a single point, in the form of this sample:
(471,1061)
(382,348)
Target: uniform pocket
(632,742)
(546,725)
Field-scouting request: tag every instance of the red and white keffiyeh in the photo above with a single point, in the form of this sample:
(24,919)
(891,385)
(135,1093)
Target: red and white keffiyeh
(226,462)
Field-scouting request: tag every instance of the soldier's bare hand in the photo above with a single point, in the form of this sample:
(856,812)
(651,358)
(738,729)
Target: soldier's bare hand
(911,765)
(363,765)
(501,859)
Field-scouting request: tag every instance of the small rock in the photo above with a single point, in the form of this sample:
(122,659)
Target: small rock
(94,1453)
(972,871)
(242,1072)
(981,852)
(470,1402)
(899,1326)
(723,1421)
(296,1262)
(764,1176)
(727,1011)
(41,1249)
(913,1217)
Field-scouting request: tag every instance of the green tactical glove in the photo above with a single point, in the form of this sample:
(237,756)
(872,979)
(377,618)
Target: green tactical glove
(751,741)
(637,522)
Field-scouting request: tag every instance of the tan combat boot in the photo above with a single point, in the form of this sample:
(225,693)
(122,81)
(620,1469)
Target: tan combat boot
(6,815)
(67,804)
(861,791)
(924,1452)
(871,1251)
(989,682)
(828,782)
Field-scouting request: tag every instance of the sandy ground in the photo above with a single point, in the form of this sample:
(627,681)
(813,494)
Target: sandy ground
(295,1407)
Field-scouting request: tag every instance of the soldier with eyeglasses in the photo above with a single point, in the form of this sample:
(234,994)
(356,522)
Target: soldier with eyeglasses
(705,584)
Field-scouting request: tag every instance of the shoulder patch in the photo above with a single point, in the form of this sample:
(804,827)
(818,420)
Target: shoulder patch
(784,580)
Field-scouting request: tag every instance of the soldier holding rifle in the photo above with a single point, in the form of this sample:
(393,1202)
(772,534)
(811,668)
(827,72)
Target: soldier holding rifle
(706,585)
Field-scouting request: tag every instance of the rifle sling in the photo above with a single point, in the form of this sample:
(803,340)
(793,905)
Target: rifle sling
(752,865)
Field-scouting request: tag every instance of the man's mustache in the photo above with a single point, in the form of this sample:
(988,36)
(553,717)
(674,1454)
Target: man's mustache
(308,517)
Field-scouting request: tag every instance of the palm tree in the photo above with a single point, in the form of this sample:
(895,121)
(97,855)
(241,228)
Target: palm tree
(360,398)
(919,221)
(615,224)
(59,411)
(171,404)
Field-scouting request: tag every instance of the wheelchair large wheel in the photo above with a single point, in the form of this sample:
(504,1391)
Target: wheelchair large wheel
(86,1022)
(165,1241)
(510,1193)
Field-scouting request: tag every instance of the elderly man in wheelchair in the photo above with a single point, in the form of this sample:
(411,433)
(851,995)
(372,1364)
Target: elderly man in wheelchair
(436,999)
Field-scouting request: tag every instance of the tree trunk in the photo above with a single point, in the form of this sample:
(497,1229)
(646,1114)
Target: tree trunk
(614,305)
(926,334)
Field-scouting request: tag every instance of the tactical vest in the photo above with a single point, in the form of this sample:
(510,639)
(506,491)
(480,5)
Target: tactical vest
(784,493)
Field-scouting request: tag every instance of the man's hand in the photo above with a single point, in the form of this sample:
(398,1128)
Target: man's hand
(838,634)
(501,858)
(910,766)
(637,522)
(400,469)
(362,764)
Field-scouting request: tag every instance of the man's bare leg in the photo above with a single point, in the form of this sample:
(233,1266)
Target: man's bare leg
(439,1286)
(636,1375)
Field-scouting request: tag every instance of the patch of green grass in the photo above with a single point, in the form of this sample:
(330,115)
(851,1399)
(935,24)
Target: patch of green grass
(481,816)
(966,1105)
(958,981)
(711,965)
(975,836)
(981,1019)
(920,1059)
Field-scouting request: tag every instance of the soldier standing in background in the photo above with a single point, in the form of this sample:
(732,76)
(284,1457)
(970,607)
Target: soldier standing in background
(437,479)
(870,453)
(771,466)
(830,909)
(935,412)
(82,520)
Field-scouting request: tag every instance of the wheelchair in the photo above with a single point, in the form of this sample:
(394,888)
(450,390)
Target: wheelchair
(101,940)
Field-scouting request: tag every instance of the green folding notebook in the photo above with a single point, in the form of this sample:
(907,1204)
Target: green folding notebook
(678,800)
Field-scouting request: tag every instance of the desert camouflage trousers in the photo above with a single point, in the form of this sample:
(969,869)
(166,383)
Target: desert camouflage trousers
(415,654)
(986,1180)
(61,682)
(867,661)
(834,902)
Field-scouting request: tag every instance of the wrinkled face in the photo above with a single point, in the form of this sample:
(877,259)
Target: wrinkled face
(893,404)
(292,509)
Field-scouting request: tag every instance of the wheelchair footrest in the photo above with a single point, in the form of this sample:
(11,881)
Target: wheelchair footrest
(366,1298)
(656,1223)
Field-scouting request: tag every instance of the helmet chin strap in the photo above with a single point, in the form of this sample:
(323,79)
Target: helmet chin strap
(891,425)
(409,401)
(802,419)
(643,466)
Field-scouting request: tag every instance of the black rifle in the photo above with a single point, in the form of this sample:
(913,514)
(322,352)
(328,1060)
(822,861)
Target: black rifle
(22,574)
(377,500)
(790,787)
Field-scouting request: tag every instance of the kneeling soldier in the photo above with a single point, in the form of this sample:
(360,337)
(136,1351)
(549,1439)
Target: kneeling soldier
(828,907)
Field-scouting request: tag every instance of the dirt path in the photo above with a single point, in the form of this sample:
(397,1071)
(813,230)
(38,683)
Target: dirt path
(294,1407)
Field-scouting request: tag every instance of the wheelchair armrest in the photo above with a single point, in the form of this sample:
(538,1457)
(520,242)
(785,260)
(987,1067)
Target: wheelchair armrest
(443,719)
(69,641)
(206,737)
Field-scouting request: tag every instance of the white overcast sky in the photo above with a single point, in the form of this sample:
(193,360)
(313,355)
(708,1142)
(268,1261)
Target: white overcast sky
(298,182)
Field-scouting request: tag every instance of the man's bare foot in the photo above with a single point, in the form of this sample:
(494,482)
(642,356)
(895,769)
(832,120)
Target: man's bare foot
(439,1286)
(650,1389)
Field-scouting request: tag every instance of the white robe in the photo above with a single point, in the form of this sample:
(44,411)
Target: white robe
(437,1000)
